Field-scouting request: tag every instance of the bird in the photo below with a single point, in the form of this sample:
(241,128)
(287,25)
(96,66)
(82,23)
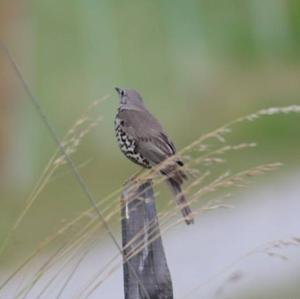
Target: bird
(142,140)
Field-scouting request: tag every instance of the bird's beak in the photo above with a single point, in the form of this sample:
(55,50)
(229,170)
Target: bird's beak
(118,90)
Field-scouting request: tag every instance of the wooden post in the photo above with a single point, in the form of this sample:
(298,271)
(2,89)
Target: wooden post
(139,228)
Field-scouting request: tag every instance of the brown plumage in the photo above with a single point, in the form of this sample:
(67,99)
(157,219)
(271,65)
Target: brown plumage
(142,139)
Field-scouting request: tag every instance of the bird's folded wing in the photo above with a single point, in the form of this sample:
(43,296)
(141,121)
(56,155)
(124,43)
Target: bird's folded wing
(154,150)
(151,140)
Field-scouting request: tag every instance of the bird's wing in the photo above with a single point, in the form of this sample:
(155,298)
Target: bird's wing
(152,142)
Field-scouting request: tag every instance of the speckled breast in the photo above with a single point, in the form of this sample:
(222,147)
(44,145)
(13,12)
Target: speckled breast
(128,146)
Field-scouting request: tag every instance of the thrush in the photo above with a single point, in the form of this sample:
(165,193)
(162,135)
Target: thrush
(142,140)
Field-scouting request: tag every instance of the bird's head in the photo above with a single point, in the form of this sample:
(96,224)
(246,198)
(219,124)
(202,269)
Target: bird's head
(130,99)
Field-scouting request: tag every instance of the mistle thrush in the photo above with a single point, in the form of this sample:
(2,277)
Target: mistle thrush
(142,139)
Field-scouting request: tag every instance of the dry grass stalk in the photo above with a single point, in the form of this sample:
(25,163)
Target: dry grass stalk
(72,141)
(268,249)
(206,157)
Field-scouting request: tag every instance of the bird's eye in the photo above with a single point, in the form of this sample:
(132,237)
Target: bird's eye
(123,93)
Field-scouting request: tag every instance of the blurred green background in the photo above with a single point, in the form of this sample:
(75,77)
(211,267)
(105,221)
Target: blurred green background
(198,64)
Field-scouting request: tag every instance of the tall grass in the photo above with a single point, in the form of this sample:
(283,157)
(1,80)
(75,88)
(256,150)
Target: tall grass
(74,240)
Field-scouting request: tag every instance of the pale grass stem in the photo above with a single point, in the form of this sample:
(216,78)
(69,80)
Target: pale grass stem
(210,157)
(224,181)
(266,248)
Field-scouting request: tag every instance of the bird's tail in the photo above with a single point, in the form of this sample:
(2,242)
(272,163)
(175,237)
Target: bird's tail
(181,201)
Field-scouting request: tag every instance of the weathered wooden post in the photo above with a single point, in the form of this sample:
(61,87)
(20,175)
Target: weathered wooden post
(148,275)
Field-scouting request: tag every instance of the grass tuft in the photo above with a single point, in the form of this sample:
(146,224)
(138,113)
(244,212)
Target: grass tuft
(202,158)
